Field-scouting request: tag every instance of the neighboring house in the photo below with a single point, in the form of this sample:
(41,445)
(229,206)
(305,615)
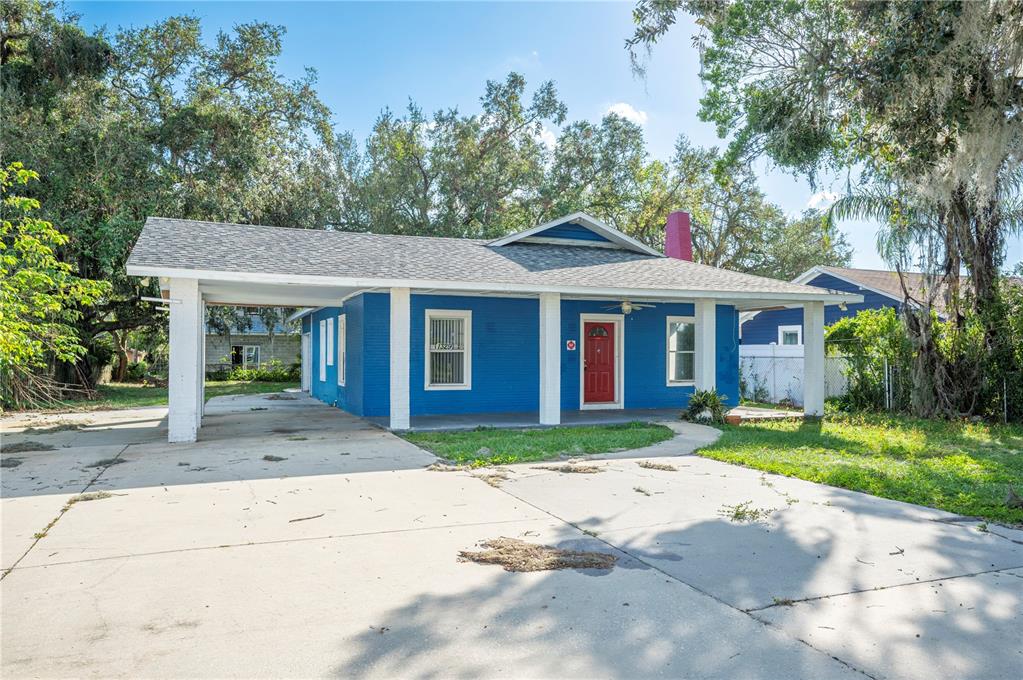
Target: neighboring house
(251,347)
(771,348)
(569,315)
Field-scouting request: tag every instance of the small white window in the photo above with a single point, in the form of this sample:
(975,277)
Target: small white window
(448,349)
(330,342)
(251,356)
(790,335)
(342,328)
(681,350)
(323,350)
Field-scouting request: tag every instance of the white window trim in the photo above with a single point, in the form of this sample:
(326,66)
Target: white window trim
(342,354)
(788,329)
(667,360)
(464,314)
(245,356)
(330,341)
(323,350)
(619,323)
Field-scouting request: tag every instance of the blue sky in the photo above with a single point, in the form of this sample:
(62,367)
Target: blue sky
(375,55)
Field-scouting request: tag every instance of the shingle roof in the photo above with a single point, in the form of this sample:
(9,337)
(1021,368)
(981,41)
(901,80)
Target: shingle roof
(215,246)
(887,282)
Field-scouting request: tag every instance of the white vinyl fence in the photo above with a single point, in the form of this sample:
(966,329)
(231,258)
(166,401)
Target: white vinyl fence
(773,373)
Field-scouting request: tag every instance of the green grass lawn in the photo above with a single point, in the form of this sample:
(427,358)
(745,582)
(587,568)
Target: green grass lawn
(131,395)
(960,467)
(496,447)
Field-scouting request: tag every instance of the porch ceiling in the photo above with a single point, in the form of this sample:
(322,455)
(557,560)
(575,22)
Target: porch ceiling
(277,294)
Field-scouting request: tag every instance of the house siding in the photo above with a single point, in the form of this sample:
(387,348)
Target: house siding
(646,354)
(505,355)
(572,231)
(763,328)
(285,348)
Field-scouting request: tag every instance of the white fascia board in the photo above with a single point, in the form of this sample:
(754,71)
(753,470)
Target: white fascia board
(299,280)
(591,223)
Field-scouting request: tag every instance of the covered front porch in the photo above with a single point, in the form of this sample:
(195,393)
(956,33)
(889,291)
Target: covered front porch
(188,297)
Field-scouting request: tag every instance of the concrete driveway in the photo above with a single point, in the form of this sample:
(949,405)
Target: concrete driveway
(207,560)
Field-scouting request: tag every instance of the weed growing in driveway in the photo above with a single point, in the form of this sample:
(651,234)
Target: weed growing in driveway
(784,602)
(52,429)
(25,447)
(651,465)
(107,462)
(570,468)
(516,555)
(745,512)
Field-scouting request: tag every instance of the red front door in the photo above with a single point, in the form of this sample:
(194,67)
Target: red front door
(598,362)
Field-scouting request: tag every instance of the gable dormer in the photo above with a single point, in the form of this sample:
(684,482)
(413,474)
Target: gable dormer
(577,229)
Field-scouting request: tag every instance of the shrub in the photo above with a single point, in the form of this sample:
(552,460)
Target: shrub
(136,371)
(705,405)
(272,371)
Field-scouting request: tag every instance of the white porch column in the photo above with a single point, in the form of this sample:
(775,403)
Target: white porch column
(813,359)
(706,344)
(550,358)
(184,382)
(401,327)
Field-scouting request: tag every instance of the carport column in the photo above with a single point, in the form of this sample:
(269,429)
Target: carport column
(185,370)
(401,327)
(550,358)
(813,359)
(706,344)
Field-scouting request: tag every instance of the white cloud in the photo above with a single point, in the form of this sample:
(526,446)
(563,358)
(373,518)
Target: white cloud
(549,139)
(822,200)
(628,112)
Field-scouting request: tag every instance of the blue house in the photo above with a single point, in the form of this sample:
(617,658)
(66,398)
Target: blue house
(879,289)
(568,315)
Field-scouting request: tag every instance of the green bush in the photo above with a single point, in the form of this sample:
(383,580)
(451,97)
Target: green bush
(705,405)
(272,371)
(137,371)
(873,341)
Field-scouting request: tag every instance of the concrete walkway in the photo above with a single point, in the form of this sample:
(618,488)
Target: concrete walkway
(308,568)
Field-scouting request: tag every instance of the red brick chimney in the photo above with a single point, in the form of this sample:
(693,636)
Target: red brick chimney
(678,237)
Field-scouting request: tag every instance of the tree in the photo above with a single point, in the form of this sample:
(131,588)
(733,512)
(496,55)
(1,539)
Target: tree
(924,97)
(39,296)
(453,174)
(152,121)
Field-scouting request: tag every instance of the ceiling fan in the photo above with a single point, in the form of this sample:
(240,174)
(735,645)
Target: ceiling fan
(627,306)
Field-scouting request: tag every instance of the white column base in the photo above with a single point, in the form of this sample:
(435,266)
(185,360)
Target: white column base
(706,344)
(185,370)
(401,327)
(813,359)
(550,359)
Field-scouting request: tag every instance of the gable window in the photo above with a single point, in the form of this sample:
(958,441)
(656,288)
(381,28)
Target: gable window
(790,335)
(342,328)
(681,350)
(448,349)
(330,342)
(323,350)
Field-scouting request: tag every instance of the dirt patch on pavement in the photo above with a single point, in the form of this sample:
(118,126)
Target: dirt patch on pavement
(516,555)
(570,467)
(280,397)
(25,447)
(273,459)
(650,465)
(53,429)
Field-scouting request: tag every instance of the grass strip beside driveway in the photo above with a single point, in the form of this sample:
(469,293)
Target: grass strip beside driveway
(491,446)
(965,468)
(132,395)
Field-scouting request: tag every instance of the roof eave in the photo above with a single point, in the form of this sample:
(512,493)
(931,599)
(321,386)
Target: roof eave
(825,296)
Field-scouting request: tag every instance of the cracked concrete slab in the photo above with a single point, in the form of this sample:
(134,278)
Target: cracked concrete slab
(827,541)
(969,627)
(386,605)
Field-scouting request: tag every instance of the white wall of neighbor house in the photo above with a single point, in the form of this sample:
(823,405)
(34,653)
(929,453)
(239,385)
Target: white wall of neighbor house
(185,370)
